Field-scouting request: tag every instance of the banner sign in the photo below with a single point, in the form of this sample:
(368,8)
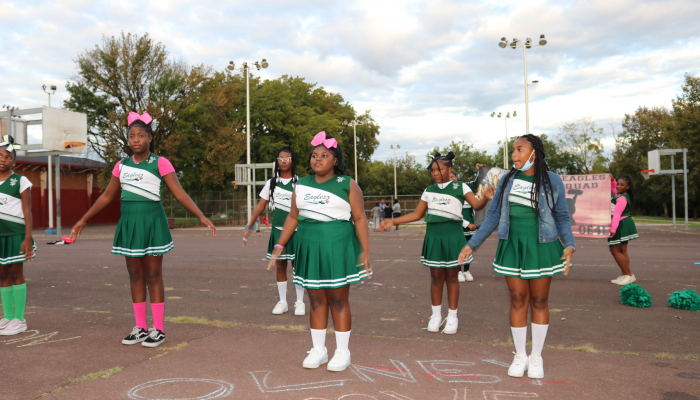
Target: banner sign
(587,198)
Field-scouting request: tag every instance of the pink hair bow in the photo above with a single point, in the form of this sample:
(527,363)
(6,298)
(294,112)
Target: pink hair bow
(320,138)
(145,117)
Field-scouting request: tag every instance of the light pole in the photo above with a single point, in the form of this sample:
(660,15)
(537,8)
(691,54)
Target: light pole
(246,70)
(396,196)
(52,90)
(528,44)
(354,135)
(505,144)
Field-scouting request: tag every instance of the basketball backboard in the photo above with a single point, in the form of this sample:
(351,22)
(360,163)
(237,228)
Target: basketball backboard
(64,130)
(654,162)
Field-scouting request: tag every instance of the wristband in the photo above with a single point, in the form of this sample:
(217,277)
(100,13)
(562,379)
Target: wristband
(279,246)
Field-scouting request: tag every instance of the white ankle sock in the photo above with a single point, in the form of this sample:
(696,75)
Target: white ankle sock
(282,289)
(539,334)
(437,310)
(519,339)
(452,313)
(300,293)
(318,338)
(342,339)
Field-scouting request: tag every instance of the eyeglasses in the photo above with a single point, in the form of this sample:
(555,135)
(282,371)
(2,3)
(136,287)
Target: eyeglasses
(283,159)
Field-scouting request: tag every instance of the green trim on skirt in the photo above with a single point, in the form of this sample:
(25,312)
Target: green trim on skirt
(626,231)
(142,230)
(10,247)
(523,256)
(327,255)
(288,253)
(442,244)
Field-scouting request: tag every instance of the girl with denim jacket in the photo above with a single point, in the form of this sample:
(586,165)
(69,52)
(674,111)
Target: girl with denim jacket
(530,212)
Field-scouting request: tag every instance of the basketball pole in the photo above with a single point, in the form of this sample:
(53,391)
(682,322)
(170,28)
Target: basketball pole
(58,198)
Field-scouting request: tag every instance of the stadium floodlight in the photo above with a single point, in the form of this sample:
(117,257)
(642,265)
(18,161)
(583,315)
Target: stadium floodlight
(50,91)
(503,43)
(528,43)
(505,144)
(264,63)
(354,131)
(543,41)
(396,196)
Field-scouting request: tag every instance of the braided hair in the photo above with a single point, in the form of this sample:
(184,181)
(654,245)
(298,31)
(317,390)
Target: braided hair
(541,177)
(339,168)
(447,160)
(149,130)
(273,181)
(630,189)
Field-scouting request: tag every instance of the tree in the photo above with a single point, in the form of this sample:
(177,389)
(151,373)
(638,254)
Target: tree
(583,141)
(466,158)
(686,117)
(377,177)
(560,161)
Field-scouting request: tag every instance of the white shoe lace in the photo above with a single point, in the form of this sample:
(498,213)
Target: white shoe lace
(535,361)
(135,331)
(436,317)
(519,359)
(314,352)
(340,353)
(153,333)
(450,323)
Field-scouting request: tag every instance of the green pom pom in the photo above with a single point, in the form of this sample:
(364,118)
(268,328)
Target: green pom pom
(635,296)
(685,299)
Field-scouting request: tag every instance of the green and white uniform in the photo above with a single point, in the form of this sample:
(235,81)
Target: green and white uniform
(444,237)
(327,251)
(142,229)
(626,229)
(522,255)
(468,214)
(281,206)
(12,227)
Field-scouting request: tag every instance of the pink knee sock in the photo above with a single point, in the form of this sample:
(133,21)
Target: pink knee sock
(140,315)
(158,309)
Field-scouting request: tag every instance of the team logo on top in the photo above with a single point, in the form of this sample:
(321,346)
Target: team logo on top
(151,159)
(134,177)
(317,198)
(441,201)
(283,195)
(340,179)
(13,181)
(455,185)
(3,201)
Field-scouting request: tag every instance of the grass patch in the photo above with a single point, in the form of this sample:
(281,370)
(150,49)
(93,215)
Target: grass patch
(203,321)
(79,308)
(174,297)
(389,319)
(629,353)
(585,348)
(294,328)
(174,348)
(330,331)
(98,312)
(97,375)
(169,288)
(108,284)
(692,357)
(663,355)
(555,310)
(557,347)
(614,352)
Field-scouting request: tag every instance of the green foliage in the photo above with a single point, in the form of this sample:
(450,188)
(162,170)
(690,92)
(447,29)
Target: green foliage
(635,296)
(582,141)
(466,158)
(377,177)
(686,134)
(685,299)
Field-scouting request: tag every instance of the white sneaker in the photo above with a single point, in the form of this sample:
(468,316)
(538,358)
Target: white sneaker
(460,277)
(3,323)
(450,326)
(14,327)
(519,365)
(626,280)
(617,279)
(340,361)
(299,308)
(535,367)
(280,307)
(435,323)
(468,276)
(315,358)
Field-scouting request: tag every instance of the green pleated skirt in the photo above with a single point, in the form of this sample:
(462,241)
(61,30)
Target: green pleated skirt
(523,256)
(626,231)
(10,247)
(288,253)
(327,255)
(442,244)
(142,230)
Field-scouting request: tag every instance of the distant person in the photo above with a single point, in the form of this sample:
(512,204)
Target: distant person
(382,206)
(142,234)
(376,215)
(396,211)
(468,228)
(623,228)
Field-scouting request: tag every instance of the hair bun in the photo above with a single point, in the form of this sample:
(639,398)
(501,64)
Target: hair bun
(437,155)
(450,156)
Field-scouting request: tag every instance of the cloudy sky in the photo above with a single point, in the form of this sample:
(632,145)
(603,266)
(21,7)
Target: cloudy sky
(430,71)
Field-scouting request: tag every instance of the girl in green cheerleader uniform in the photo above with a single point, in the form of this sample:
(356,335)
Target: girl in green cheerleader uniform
(16,244)
(278,192)
(622,229)
(142,235)
(529,209)
(468,228)
(331,246)
(444,237)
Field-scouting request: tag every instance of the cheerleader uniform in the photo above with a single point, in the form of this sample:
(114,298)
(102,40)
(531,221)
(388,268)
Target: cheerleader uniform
(12,234)
(622,223)
(142,229)
(280,209)
(444,236)
(326,248)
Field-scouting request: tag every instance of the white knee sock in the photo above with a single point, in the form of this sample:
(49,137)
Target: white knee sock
(437,310)
(519,339)
(539,334)
(282,288)
(300,293)
(318,338)
(342,339)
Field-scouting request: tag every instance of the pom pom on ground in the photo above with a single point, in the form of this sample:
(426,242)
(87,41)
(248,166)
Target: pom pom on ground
(635,296)
(685,299)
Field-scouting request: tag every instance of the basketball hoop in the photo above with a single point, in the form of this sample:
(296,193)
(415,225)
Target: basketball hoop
(645,174)
(69,145)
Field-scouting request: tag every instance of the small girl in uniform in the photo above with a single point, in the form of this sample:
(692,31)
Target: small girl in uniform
(331,252)
(468,228)
(529,209)
(278,192)
(443,236)
(16,244)
(623,228)
(142,235)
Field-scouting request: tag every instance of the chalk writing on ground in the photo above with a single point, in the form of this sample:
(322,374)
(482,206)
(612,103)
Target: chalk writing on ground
(221,389)
(35,338)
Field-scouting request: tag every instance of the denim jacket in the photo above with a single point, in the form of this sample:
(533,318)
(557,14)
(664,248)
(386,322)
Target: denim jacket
(552,226)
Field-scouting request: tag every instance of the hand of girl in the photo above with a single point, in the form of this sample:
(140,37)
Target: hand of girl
(276,253)
(489,192)
(471,227)
(208,224)
(77,228)
(568,253)
(27,249)
(386,224)
(364,259)
(612,234)
(245,236)
(464,254)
